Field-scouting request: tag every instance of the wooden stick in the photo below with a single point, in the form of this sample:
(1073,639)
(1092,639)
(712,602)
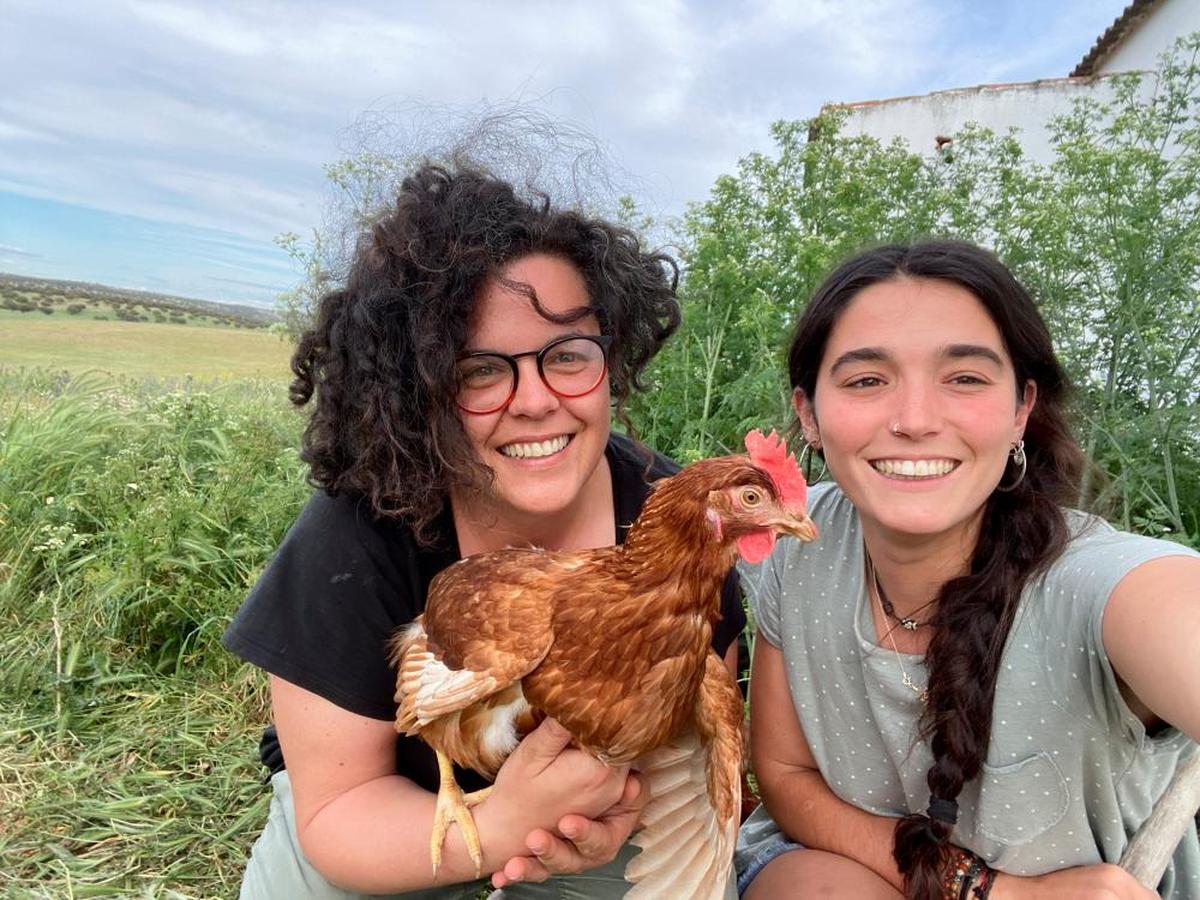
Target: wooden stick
(1150,851)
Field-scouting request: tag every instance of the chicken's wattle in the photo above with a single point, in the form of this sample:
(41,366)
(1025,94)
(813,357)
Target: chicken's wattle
(756,546)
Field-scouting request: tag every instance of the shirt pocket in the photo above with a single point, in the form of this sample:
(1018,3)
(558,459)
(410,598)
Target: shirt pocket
(1022,800)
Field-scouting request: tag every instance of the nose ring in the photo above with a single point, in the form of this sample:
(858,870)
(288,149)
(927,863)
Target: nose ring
(895,429)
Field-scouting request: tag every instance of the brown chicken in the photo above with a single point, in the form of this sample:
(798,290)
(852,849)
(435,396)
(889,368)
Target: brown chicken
(614,643)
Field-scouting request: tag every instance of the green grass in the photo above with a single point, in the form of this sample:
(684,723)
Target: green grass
(140,349)
(150,791)
(133,518)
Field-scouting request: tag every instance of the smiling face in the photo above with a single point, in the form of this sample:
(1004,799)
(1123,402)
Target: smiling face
(545,450)
(916,408)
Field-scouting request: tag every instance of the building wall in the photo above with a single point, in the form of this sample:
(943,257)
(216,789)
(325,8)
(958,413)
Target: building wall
(1027,106)
(1141,48)
(921,120)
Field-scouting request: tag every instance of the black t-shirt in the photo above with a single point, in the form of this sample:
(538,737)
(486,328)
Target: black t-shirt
(344,580)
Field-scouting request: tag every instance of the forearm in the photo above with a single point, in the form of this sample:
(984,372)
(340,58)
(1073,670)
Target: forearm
(807,809)
(374,839)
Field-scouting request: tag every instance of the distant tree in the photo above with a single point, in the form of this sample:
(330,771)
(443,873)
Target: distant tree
(296,307)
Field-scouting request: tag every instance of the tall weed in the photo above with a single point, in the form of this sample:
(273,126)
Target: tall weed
(133,519)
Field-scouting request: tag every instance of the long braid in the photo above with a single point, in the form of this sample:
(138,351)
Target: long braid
(1018,537)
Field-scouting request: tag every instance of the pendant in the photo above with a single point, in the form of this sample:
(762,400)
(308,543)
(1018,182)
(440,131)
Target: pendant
(909,624)
(914,687)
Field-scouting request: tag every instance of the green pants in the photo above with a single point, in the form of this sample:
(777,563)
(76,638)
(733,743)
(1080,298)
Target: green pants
(278,870)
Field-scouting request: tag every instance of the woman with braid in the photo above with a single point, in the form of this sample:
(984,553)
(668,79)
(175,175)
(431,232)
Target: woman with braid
(965,689)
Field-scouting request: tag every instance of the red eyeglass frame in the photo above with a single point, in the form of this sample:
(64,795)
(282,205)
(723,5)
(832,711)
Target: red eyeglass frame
(604,341)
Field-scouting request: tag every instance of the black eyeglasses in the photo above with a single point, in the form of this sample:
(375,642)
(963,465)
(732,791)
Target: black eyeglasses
(568,366)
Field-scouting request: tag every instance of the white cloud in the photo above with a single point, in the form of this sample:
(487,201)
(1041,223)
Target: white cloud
(220,113)
(211,28)
(8,250)
(10,131)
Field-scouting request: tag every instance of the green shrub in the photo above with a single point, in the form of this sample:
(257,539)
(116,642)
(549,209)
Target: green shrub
(152,514)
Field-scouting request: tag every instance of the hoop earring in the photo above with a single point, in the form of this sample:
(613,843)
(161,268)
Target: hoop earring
(807,452)
(1017,455)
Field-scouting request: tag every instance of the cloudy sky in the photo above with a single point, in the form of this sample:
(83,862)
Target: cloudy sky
(164,145)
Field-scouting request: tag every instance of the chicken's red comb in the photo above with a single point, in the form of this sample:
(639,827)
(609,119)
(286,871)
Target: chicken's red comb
(770,453)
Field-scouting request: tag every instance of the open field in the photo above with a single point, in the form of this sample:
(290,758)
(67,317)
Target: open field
(163,350)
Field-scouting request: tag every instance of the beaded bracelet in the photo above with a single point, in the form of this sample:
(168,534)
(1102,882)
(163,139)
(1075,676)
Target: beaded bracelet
(977,866)
(967,876)
(960,870)
(987,878)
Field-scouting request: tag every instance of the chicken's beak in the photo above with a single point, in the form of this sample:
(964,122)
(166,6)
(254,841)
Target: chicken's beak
(798,526)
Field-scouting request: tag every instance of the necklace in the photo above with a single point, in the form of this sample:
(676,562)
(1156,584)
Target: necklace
(922,693)
(906,622)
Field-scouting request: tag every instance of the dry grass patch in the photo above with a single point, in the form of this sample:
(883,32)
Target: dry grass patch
(141,349)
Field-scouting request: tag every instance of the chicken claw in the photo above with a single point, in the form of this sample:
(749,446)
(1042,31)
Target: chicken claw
(453,804)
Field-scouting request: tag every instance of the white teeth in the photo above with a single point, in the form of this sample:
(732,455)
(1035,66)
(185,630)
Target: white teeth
(535,449)
(915,468)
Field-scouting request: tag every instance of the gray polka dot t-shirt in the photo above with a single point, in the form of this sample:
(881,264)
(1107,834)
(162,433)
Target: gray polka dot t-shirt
(1070,772)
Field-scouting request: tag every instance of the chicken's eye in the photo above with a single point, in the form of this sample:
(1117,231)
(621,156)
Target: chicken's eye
(751,496)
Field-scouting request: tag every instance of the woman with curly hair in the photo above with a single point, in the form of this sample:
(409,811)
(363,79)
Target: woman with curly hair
(463,379)
(966,689)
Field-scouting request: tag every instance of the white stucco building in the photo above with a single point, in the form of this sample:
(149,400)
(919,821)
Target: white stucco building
(1133,42)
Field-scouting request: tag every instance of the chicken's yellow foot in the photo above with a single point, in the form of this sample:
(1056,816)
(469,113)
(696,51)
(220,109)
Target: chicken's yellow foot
(453,804)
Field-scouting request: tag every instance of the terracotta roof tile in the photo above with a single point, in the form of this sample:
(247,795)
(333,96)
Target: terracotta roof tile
(1129,19)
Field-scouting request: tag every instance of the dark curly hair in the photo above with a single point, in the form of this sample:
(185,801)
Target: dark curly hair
(380,357)
(1022,532)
